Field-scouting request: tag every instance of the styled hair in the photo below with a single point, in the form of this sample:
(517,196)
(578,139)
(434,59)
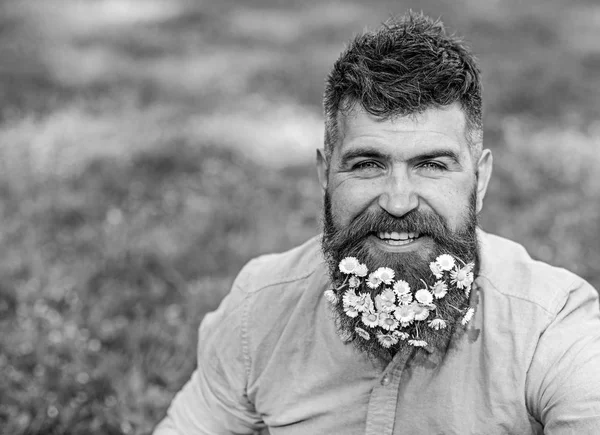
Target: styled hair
(408,65)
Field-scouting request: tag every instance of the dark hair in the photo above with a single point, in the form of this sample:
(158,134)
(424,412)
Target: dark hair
(405,67)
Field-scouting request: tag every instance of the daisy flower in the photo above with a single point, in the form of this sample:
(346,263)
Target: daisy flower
(385,274)
(424,297)
(436,270)
(353,282)
(400,335)
(350,311)
(405,314)
(370,319)
(387,298)
(439,289)
(405,298)
(364,334)
(383,304)
(401,287)
(364,303)
(361,271)
(350,298)
(386,340)
(373,281)
(387,322)
(437,324)
(417,343)
(445,262)
(331,296)
(462,278)
(421,312)
(468,316)
(388,295)
(348,265)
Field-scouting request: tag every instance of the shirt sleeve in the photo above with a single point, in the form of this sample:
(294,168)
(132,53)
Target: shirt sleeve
(214,400)
(564,376)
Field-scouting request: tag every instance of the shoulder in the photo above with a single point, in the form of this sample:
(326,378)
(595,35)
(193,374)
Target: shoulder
(266,285)
(277,269)
(508,269)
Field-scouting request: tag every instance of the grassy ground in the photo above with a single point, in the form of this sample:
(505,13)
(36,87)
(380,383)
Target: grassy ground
(147,153)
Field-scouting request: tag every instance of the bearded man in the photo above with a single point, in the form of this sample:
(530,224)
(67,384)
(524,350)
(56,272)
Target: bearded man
(404,317)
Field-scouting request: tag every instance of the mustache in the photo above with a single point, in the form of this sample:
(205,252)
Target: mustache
(369,222)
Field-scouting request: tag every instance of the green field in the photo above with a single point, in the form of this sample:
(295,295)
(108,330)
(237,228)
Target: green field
(150,148)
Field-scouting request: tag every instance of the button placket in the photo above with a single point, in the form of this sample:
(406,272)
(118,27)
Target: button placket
(381,413)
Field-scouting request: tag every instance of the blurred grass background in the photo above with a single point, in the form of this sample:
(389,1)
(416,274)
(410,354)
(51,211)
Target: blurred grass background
(149,148)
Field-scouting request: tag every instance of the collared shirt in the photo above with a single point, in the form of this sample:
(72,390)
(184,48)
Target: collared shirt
(270,355)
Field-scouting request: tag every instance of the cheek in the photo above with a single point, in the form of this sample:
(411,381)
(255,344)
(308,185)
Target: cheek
(349,200)
(451,204)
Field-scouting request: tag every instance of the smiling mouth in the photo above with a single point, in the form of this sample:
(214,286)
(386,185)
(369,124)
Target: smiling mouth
(397,239)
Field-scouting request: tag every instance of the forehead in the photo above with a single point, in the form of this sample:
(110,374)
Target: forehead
(435,127)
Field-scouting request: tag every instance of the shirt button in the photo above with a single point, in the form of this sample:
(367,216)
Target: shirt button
(385,380)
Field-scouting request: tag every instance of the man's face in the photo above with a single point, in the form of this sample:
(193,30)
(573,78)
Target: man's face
(412,172)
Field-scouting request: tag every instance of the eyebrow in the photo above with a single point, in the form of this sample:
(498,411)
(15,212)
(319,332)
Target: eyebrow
(436,154)
(369,152)
(364,152)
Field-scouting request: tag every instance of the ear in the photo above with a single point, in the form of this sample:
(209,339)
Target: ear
(322,168)
(484,171)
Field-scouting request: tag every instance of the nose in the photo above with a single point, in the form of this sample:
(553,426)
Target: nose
(399,197)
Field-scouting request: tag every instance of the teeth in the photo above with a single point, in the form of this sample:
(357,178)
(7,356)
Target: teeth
(398,242)
(394,236)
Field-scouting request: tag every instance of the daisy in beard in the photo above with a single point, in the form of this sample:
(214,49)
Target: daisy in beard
(350,298)
(405,299)
(348,265)
(350,311)
(424,297)
(401,287)
(461,278)
(364,334)
(417,343)
(331,296)
(353,282)
(405,315)
(370,319)
(373,281)
(386,340)
(468,316)
(420,311)
(400,335)
(445,262)
(385,301)
(361,271)
(364,303)
(385,275)
(387,322)
(437,324)
(436,270)
(439,289)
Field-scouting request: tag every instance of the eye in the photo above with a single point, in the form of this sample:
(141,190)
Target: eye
(433,166)
(366,165)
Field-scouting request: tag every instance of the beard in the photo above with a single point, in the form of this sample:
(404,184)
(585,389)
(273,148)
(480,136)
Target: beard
(355,240)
